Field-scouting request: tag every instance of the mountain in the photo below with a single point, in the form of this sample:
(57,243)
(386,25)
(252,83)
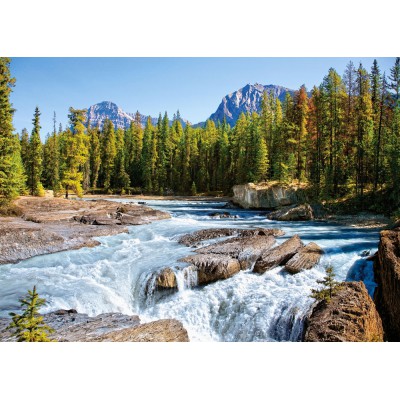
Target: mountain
(99,112)
(246,99)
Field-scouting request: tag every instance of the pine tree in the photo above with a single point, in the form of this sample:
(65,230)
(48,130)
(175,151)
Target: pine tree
(330,286)
(94,155)
(29,326)
(120,177)
(35,162)
(74,153)
(12,178)
(108,153)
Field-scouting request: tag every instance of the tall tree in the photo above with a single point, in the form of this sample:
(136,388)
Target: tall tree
(12,178)
(108,153)
(35,163)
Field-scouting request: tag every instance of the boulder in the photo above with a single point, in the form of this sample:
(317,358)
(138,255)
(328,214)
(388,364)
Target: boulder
(387,277)
(306,258)
(278,255)
(212,267)
(193,239)
(267,196)
(166,279)
(164,330)
(303,212)
(350,316)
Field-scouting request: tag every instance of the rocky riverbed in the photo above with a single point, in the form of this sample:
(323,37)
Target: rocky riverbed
(50,225)
(71,326)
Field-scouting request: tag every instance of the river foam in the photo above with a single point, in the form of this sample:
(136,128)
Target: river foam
(246,307)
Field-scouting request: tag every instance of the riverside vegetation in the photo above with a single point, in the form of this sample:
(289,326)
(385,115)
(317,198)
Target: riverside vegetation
(342,140)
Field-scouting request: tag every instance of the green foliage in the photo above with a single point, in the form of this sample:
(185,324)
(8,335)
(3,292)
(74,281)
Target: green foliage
(29,326)
(330,286)
(12,178)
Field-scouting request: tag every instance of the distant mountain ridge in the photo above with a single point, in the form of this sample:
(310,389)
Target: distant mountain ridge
(246,100)
(98,113)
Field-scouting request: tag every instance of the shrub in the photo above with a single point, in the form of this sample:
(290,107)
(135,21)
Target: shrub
(29,326)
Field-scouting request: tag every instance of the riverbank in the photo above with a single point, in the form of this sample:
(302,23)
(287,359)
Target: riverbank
(50,225)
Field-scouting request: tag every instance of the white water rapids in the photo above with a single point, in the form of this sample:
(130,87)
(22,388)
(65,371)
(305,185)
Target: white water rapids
(246,307)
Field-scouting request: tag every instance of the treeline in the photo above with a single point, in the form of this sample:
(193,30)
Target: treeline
(342,138)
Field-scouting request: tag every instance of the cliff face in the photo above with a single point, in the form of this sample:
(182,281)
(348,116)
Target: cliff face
(387,276)
(350,316)
(267,196)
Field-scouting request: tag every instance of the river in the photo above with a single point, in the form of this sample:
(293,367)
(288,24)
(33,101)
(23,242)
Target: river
(246,307)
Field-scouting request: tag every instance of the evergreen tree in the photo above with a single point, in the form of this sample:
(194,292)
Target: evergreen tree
(74,153)
(12,178)
(94,155)
(330,286)
(120,178)
(108,153)
(35,166)
(29,326)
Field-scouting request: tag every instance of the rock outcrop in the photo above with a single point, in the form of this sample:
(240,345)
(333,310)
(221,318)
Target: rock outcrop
(307,257)
(193,239)
(350,316)
(279,255)
(50,225)
(303,212)
(387,277)
(71,326)
(266,196)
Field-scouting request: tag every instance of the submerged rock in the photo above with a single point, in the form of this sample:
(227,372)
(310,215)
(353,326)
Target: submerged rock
(307,257)
(71,326)
(387,277)
(278,255)
(303,212)
(350,316)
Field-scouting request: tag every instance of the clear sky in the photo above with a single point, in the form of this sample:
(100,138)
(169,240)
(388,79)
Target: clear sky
(195,86)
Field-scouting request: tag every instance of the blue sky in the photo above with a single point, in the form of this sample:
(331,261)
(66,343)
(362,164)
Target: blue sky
(195,86)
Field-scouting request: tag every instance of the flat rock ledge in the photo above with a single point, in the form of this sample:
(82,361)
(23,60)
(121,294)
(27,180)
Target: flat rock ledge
(51,225)
(350,316)
(71,326)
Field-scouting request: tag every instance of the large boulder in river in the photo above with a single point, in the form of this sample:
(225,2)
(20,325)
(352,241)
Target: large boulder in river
(387,277)
(307,257)
(350,316)
(278,255)
(303,212)
(212,267)
(268,196)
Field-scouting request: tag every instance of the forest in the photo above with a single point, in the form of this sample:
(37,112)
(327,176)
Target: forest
(341,139)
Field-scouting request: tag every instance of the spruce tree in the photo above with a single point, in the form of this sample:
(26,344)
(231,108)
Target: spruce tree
(35,166)
(29,326)
(108,152)
(12,178)
(330,286)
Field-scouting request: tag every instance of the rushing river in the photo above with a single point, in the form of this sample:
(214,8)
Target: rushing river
(246,307)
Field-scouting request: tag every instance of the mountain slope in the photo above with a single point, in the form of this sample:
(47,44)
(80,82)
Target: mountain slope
(247,99)
(99,112)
